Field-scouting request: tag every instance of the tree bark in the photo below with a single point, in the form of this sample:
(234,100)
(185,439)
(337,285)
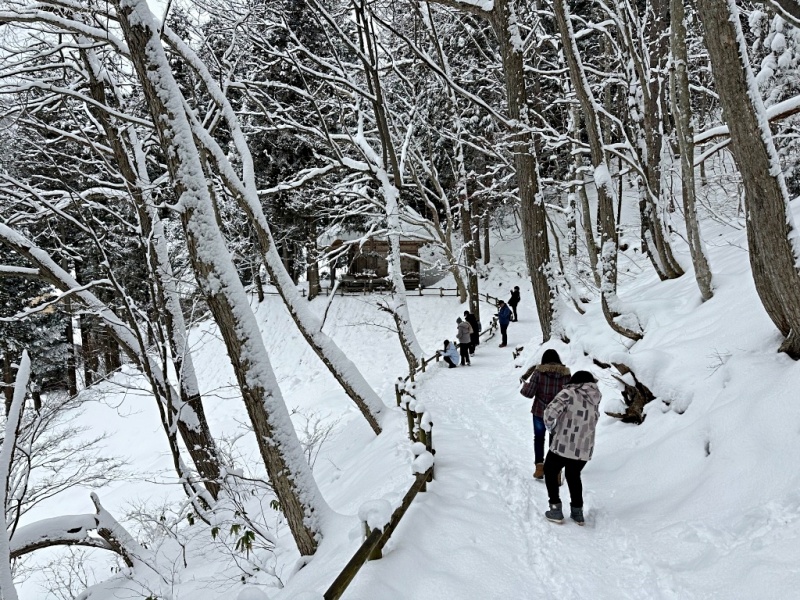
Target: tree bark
(216,276)
(487,249)
(681,109)
(609,242)
(534,219)
(586,213)
(190,413)
(771,232)
(8,378)
(655,106)
(13,420)
(245,193)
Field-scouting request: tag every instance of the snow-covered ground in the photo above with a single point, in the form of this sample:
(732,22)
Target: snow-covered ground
(700,501)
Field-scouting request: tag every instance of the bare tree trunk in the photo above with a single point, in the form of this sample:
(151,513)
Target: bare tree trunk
(655,105)
(69,334)
(280,449)
(190,413)
(534,219)
(476,229)
(14,418)
(771,231)
(487,249)
(8,378)
(89,351)
(681,109)
(312,271)
(111,354)
(245,193)
(609,242)
(399,306)
(588,230)
(257,280)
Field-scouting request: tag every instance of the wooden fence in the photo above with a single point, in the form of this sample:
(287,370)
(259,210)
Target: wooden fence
(420,429)
(440,292)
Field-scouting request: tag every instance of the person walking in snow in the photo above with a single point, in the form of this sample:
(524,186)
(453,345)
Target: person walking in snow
(449,354)
(571,418)
(464,336)
(514,300)
(504,318)
(475,336)
(547,380)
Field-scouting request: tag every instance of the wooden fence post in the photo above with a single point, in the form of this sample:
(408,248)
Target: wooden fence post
(397,394)
(411,434)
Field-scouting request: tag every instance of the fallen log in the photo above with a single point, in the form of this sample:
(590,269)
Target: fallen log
(635,396)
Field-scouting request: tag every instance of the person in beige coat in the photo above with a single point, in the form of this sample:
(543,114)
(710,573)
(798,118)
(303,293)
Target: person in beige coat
(571,418)
(464,336)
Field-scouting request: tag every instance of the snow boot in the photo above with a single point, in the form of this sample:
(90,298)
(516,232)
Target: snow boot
(539,473)
(554,514)
(576,514)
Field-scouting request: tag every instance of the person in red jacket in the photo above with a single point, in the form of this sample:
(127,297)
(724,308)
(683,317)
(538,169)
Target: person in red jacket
(548,379)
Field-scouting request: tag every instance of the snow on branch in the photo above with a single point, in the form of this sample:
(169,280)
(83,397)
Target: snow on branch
(776,112)
(66,530)
(14,271)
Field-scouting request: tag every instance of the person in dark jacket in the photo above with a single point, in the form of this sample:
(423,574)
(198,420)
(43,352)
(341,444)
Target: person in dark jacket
(571,418)
(504,318)
(464,336)
(514,300)
(449,354)
(475,336)
(547,380)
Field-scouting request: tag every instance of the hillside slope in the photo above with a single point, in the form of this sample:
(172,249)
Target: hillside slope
(700,501)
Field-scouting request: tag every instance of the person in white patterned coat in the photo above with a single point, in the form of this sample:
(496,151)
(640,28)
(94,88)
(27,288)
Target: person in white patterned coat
(571,418)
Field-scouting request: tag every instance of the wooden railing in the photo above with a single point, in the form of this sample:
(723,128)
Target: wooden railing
(440,292)
(420,429)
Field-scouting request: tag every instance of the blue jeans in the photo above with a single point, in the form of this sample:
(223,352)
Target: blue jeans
(538,439)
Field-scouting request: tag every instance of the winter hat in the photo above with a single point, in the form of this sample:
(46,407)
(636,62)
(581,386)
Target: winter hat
(466,313)
(458,320)
(582,377)
(516,287)
(551,357)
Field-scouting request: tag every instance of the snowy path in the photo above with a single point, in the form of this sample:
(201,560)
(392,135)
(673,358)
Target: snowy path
(479,531)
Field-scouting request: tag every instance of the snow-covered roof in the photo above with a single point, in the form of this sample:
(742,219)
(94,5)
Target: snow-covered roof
(408,231)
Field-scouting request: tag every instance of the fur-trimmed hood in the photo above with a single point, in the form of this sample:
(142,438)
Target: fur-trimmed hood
(555,369)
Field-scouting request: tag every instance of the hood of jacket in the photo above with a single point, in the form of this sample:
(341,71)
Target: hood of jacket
(589,391)
(555,369)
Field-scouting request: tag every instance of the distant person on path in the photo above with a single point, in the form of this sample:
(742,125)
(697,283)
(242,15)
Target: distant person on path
(514,300)
(475,337)
(571,419)
(504,318)
(548,379)
(449,354)
(464,336)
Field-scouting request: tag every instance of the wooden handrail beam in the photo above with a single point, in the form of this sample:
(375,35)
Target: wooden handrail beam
(375,542)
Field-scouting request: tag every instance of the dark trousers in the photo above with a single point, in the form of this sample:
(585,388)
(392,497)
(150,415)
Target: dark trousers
(572,472)
(448,360)
(474,340)
(504,333)
(514,308)
(464,349)
(539,431)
